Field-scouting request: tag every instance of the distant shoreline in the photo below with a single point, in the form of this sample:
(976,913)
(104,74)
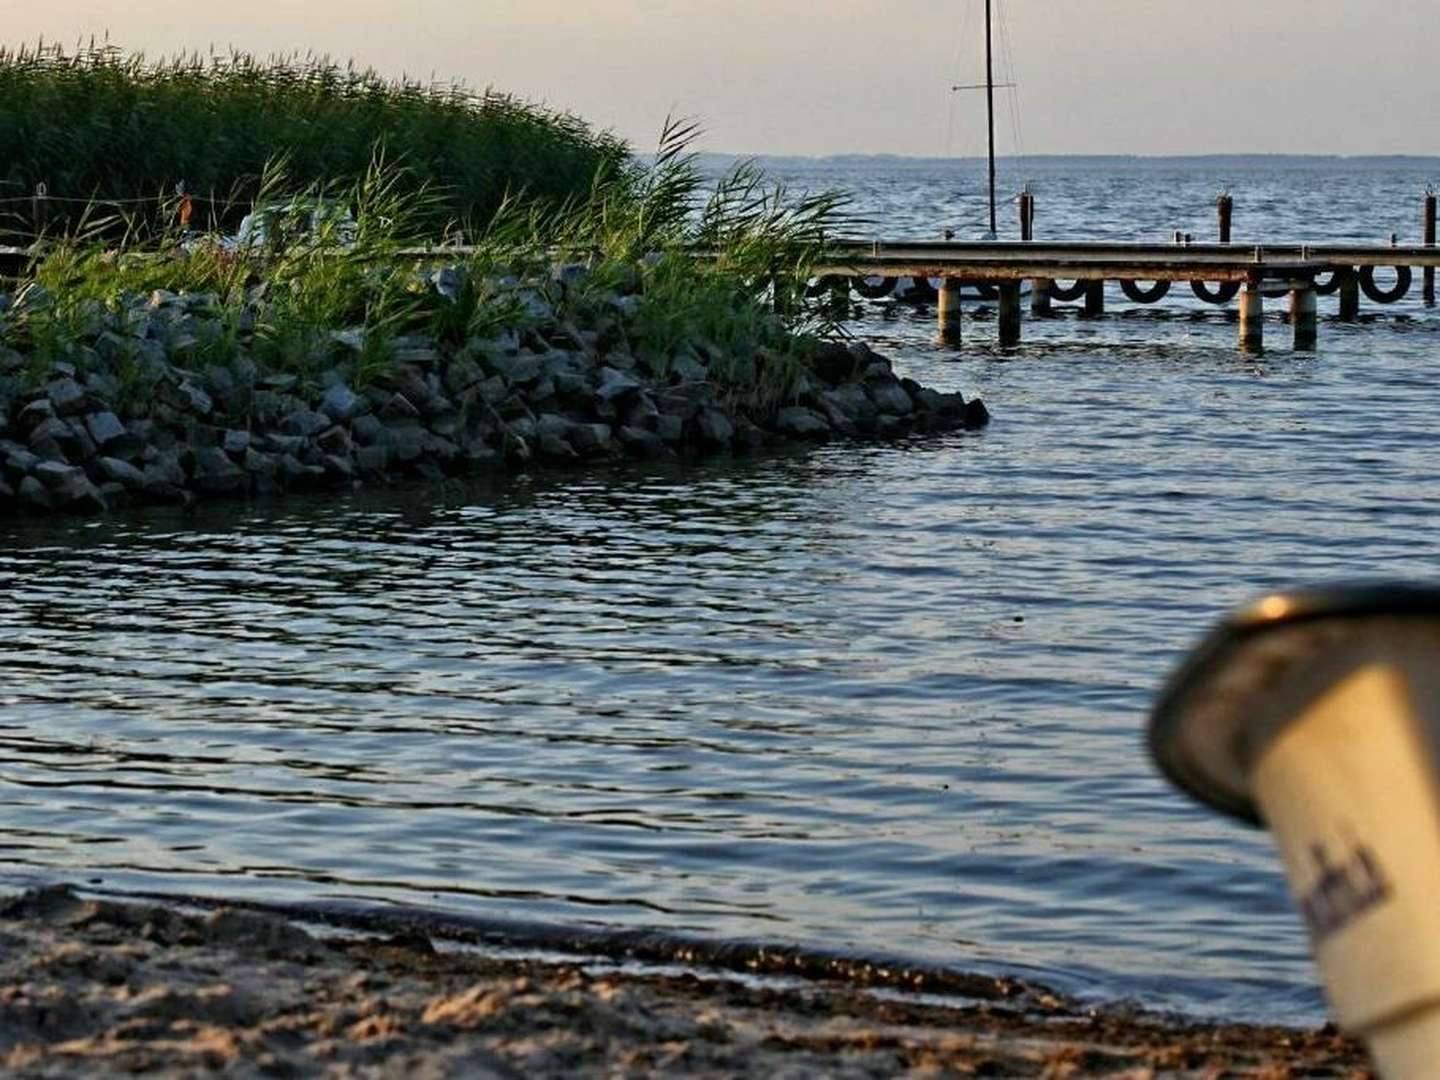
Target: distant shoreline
(717,158)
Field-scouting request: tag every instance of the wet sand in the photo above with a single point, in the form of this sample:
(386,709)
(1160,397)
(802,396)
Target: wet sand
(93,986)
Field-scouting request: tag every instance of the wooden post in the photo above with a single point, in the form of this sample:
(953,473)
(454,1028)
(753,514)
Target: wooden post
(1027,215)
(949,308)
(1040,297)
(1430,242)
(1304,319)
(1349,294)
(1224,209)
(1252,317)
(1094,299)
(1009,312)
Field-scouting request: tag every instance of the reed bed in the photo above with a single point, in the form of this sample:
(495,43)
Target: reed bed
(100,127)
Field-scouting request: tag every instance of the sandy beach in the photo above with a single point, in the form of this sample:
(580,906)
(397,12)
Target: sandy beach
(90,986)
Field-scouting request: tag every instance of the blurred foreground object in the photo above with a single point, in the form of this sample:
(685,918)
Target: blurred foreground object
(1317,713)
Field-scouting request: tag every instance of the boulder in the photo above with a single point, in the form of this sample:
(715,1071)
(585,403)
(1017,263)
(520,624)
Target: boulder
(120,472)
(67,396)
(341,404)
(304,423)
(713,428)
(105,429)
(890,397)
(799,422)
(215,474)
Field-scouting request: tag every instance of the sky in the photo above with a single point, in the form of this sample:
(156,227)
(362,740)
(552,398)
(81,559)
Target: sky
(822,77)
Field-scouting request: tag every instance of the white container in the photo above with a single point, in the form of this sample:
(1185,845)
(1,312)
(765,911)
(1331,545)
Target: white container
(1318,714)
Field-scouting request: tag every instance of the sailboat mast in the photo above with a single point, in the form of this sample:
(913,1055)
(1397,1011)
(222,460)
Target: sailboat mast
(990,107)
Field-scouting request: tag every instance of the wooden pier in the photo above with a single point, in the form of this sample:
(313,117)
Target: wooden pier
(1216,273)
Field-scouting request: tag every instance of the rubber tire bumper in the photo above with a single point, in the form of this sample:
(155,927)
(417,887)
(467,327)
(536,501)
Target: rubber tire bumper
(1223,293)
(1158,291)
(1065,295)
(1403,280)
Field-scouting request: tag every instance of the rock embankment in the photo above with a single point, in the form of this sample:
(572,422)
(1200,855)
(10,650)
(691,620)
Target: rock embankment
(158,399)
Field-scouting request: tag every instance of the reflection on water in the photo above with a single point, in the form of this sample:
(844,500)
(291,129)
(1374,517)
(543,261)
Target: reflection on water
(887,698)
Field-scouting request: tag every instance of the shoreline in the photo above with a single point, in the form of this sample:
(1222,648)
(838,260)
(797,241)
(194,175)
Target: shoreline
(92,985)
(138,415)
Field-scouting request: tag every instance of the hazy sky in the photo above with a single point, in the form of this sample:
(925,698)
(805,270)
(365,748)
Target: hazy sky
(839,76)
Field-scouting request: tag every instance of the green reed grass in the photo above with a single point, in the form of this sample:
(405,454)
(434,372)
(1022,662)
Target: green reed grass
(669,262)
(95,123)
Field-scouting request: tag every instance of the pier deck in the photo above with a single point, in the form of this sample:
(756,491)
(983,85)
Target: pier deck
(1248,271)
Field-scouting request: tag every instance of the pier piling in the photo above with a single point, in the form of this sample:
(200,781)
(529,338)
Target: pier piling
(1304,319)
(1009,313)
(1224,211)
(1027,215)
(1429,241)
(1349,296)
(1094,299)
(1252,317)
(1040,297)
(949,308)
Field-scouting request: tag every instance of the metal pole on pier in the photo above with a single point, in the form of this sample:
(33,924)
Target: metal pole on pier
(1009,312)
(1224,210)
(990,108)
(1430,242)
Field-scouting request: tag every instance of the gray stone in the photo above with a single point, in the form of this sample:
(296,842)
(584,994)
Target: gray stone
(714,428)
(304,423)
(121,472)
(53,474)
(641,443)
(890,397)
(334,440)
(105,428)
(53,429)
(686,368)
(849,400)
(300,476)
(372,460)
(591,439)
(399,407)
(462,374)
(20,462)
(800,422)
(216,474)
(260,464)
(190,397)
(419,355)
(164,475)
(406,442)
(976,414)
(235,442)
(338,465)
(614,384)
(35,493)
(35,413)
(493,390)
(67,395)
(285,444)
(367,430)
(341,403)
(6,491)
(517,369)
(669,427)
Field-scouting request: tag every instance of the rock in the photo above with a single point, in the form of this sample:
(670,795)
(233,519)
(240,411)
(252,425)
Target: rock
(462,374)
(367,430)
(642,443)
(399,407)
(67,396)
(285,444)
(890,397)
(105,429)
(191,398)
(304,423)
(20,462)
(799,422)
(33,414)
(341,404)
(215,474)
(372,460)
(338,465)
(235,442)
(517,369)
(685,368)
(406,442)
(334,440)
(53,474)
(613,385)
(713,428)
(36,494)
(164,476)
(493,390)
(51,438)
(670,428)
(835,363)
(120,472)
(976,414)
(591,440)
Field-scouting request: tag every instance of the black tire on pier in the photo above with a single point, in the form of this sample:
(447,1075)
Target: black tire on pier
(1069,293)
(1158,290)
(1397,291)
(1331,284)
(863,286)
(922,291)
(1222,293)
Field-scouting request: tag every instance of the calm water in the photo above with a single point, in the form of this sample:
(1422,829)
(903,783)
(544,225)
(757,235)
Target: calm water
(881,698)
